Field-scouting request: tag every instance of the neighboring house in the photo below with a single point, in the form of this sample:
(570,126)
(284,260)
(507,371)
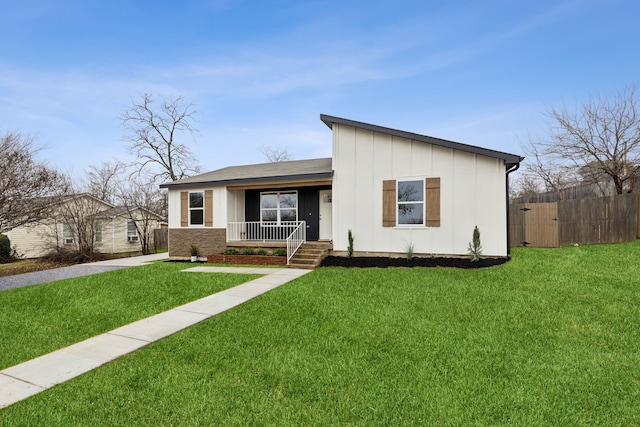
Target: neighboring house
(108,229)
(394,190)
(122,229)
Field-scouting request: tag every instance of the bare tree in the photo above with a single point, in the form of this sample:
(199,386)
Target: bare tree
(274,154)
(144,203)
(154,132)
(104,180)
(598,138)
(26,185)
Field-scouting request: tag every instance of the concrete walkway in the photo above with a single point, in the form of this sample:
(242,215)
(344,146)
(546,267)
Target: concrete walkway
(26,379)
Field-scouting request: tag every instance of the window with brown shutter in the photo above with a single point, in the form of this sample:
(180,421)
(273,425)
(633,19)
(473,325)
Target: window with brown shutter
(403,203)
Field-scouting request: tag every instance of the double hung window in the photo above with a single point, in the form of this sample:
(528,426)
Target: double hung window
(410,202)
(279,206)
(196,208)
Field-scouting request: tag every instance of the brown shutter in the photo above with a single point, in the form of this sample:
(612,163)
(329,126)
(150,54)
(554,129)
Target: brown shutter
(432,200)
(208,208)
(184,208)
(389,203)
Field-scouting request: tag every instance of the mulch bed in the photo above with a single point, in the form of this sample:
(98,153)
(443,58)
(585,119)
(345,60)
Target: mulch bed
(383,262)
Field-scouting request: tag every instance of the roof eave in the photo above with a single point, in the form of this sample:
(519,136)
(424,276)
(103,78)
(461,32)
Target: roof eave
(300,177)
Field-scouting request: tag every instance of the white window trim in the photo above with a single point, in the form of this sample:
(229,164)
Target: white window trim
(278,220)
(423,201)
(65,240)
(98,225)
(134,239)
(189,208)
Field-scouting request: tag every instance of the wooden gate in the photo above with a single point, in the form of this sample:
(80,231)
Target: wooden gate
(534,224)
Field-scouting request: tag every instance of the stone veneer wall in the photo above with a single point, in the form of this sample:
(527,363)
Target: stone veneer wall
(207,240)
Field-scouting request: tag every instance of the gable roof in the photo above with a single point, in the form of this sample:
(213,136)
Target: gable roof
(262,172)
(509,159)
(123,210)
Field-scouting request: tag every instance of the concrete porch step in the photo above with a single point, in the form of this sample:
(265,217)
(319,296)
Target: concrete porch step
(310,255)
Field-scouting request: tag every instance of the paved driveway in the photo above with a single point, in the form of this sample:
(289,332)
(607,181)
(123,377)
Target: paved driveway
(54,274)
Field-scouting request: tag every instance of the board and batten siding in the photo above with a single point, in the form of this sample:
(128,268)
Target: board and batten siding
(472,192)
(215,204)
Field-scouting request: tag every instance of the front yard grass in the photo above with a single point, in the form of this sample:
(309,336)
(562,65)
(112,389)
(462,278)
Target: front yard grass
(550,338)
(38,319)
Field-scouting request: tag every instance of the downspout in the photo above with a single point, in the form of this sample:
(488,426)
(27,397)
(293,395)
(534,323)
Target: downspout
(513,169)
(113,234)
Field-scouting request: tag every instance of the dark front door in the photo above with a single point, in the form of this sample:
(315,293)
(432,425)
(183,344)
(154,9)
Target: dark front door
(308,211)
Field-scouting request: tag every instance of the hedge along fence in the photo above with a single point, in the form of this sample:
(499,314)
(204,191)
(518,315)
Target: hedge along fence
(612,219)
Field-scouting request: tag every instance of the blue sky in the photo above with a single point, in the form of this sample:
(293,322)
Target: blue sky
(261,72)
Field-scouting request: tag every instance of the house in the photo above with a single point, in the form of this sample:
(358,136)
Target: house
(80,221)
(394,190)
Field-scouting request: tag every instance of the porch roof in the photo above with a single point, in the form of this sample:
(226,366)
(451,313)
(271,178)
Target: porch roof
(295,170)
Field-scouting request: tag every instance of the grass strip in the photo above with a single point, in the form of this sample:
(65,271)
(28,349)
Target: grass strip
(38,319)
(550,338)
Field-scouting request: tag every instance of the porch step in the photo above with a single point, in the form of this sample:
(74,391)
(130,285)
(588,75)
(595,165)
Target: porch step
(310,255)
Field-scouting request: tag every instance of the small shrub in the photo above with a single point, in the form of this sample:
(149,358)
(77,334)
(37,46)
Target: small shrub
(5,248)
(350,247)
(193,250)
(248,251)
(231,251)
(279,252)
(475,248)
(261,251)
(409,249)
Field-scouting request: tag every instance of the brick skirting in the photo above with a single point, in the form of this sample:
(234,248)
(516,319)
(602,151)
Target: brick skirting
(207,240)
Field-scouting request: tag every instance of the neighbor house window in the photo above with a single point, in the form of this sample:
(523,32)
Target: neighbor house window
(410,202)
(68,234)
(97,231)
(279,206)
(196,208)
(132,231)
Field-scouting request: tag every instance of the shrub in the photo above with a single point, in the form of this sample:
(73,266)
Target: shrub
(247,251)
(475,248)
(5,248)
(261,251)
(279,252)
(231,251)
(409,249)
(350,247)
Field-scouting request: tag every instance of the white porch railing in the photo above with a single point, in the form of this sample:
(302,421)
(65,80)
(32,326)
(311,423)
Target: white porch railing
(261,231)
(296,239)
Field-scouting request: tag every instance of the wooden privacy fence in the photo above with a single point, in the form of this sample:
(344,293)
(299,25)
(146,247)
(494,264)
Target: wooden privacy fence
(612,219)
(161,238)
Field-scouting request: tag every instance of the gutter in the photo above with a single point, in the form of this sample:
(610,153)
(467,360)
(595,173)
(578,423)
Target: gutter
(513,169)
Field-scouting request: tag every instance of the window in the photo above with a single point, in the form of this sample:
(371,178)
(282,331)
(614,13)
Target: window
(97,231)
(279,206)
(410,202)
(196,208)
(132,232)
(68,234)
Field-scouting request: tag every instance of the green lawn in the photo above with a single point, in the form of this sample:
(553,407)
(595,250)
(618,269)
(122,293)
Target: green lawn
(36,320)
(550,338)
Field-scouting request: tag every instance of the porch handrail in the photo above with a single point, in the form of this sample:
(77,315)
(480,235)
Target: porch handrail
(296,239)
(261,231)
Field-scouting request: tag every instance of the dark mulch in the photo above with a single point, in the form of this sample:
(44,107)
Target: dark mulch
(383,262)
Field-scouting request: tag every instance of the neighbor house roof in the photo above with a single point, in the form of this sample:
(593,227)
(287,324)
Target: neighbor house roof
(510,159)
(263,172)
(123,210)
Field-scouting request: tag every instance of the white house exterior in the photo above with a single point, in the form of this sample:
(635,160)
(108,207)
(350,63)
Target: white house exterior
(394,190)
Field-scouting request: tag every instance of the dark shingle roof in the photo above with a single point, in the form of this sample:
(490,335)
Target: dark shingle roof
(263,172)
